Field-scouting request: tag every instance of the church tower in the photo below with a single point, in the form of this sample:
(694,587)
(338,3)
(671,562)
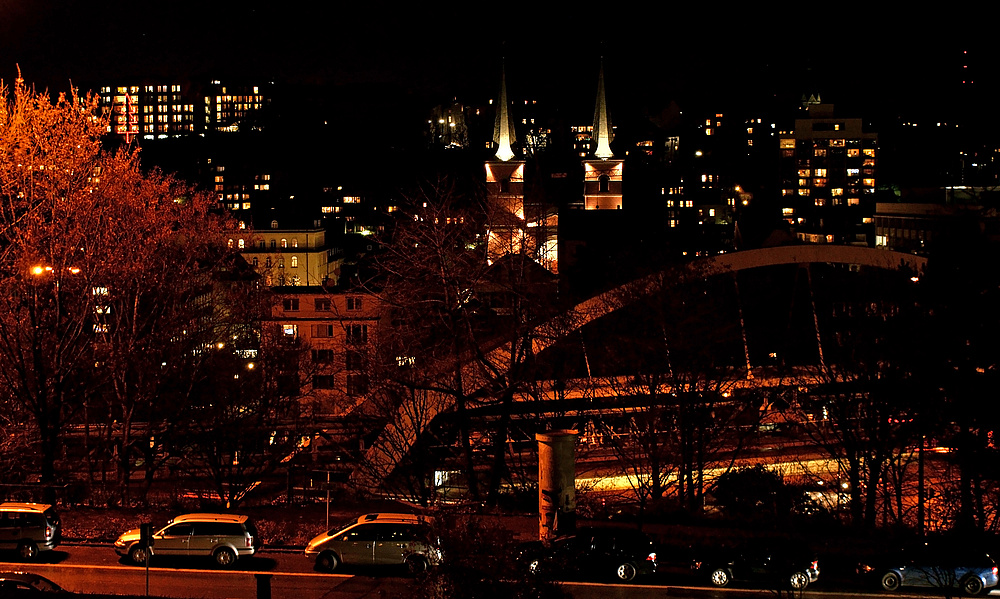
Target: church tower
(505,186)
(602,174)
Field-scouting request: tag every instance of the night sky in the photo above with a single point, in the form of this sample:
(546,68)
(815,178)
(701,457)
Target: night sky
(427,55)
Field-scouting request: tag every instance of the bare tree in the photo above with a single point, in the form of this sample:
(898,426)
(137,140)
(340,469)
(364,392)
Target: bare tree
(460,325)
(679,398)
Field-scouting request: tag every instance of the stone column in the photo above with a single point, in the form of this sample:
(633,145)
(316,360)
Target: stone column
(556,483)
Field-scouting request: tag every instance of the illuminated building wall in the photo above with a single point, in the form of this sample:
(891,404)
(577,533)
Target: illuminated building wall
(602,184)
(828,174)
(447,126)
(227,107)
(237,183)
(287,257)
(152,111)
(339,329)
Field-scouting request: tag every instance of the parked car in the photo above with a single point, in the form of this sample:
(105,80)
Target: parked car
(380,539)
(620,553)
(223,537)
(933,565)
(29,528)
(776,562)
(16,584)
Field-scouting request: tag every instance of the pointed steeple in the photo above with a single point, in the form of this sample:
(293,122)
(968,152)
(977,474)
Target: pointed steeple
(602,125)
(503,130)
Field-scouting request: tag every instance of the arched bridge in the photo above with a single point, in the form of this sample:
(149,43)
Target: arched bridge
(415,415)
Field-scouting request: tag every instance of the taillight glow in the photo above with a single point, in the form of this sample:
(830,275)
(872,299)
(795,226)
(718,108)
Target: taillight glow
(651,557)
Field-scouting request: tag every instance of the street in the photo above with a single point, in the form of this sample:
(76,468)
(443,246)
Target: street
(288,575)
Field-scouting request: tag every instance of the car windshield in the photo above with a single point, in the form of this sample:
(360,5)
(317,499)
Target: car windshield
(341,527)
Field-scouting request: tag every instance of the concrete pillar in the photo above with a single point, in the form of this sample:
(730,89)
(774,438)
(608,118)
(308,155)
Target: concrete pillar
(556,483)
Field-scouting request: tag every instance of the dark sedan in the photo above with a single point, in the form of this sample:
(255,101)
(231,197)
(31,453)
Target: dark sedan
(616,553)
(17,584)
(778,563)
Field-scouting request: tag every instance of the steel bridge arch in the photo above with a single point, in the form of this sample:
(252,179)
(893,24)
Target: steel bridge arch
(411,420)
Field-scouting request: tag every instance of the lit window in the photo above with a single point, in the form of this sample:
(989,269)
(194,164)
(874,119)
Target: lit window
(787,192)
(820,172)
(284,243)
(869,152)
(788,211)
(819,182)
(804,192)
(853,153)
(787,143)
(819,152)
(820,201)
(295,261)
(837,191)
(242,244)
(836,143)
(295,242)
(804,172)
(868,182)
(290,330)
(853,201)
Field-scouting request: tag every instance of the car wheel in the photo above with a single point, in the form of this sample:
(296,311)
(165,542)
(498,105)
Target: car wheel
(327,561)
(224,557)
(625,572)
(972,585)
(799,581)
(138,555)
(27,550)
(416,564)
(720,577)
(891,581)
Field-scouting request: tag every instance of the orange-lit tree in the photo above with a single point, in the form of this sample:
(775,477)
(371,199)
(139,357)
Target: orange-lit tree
(106,272)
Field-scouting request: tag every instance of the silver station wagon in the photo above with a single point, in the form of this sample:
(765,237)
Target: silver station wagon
(223,537)
(377,540)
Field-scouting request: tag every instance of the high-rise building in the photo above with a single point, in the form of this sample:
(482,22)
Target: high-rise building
(150,110)
(228,107)
(827,172)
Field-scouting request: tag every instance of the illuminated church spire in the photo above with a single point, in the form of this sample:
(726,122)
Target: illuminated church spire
(602,125)
(503,130)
